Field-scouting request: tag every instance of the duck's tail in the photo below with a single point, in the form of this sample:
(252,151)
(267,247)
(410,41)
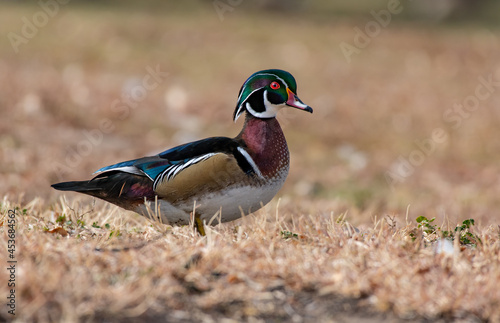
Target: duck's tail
(122,189)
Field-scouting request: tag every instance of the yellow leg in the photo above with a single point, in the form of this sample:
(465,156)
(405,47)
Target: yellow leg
(198,225)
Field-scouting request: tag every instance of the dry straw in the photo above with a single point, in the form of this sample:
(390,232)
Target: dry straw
(277,264)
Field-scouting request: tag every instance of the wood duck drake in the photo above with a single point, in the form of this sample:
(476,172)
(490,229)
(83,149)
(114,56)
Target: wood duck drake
(227,177)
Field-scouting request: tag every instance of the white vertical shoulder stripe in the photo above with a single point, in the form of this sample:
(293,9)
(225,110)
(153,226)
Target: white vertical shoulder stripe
(250,161)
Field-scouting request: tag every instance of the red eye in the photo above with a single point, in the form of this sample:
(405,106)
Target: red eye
(275,85)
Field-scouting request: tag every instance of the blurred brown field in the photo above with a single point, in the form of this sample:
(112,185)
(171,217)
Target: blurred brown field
(372,116)
(405,124)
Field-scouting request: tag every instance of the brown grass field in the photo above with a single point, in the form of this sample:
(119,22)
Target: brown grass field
(408,128)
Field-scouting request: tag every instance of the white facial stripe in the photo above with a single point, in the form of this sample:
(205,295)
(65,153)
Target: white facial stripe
(250,161)
(276,76)
(271,109)
(240,110)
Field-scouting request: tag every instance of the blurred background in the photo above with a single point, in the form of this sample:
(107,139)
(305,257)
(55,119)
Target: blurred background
(406,95)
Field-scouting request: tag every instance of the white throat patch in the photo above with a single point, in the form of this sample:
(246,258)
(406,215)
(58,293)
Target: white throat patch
(271,109)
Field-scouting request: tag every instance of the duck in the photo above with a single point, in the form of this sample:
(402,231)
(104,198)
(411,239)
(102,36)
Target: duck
(212,180)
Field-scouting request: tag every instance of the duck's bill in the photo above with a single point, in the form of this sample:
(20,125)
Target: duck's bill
(295,102)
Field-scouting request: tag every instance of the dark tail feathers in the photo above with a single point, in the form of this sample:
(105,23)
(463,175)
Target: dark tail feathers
(122,189)
(77,186)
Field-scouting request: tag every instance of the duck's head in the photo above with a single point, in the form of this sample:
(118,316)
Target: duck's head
(264,93)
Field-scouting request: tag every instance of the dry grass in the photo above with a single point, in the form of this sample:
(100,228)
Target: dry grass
(246,270)
(367,114)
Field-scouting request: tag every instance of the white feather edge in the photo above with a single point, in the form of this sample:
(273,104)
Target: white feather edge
(172,171)
(125,169)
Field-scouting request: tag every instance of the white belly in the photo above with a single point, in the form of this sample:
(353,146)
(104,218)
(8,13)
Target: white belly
(227,205)
(234,202)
